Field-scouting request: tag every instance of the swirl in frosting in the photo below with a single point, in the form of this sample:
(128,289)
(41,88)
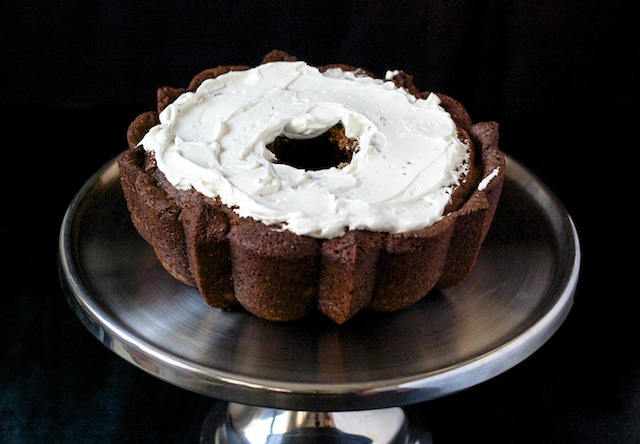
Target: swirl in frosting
(400,178)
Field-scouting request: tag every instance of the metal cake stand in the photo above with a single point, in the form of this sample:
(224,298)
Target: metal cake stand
(311,380)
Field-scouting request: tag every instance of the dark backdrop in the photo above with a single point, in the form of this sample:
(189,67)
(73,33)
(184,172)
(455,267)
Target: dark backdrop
(561,77)
(517,59)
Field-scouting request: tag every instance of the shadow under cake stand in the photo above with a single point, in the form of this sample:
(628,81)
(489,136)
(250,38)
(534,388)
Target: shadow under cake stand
(311,380)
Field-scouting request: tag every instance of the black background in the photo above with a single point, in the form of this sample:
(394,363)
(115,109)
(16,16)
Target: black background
(561,77)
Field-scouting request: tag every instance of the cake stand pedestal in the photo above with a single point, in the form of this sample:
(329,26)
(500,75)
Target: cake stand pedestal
(240,423)
(312,380)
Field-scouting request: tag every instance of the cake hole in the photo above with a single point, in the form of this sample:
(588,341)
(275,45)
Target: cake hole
(330,149)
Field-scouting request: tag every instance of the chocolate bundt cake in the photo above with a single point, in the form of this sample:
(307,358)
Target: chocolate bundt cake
(286,188)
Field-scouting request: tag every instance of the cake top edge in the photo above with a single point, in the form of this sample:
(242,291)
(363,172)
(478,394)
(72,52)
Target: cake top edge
(407,161)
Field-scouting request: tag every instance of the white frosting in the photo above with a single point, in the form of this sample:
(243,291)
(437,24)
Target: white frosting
(484,183)
(400,178)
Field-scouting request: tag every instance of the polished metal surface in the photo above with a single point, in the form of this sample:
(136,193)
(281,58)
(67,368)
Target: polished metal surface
(518,294)
(258,425)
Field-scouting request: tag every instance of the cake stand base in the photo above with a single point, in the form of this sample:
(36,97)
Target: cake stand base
(243,424)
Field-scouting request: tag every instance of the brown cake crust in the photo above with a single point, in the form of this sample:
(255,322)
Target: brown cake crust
(278,275)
